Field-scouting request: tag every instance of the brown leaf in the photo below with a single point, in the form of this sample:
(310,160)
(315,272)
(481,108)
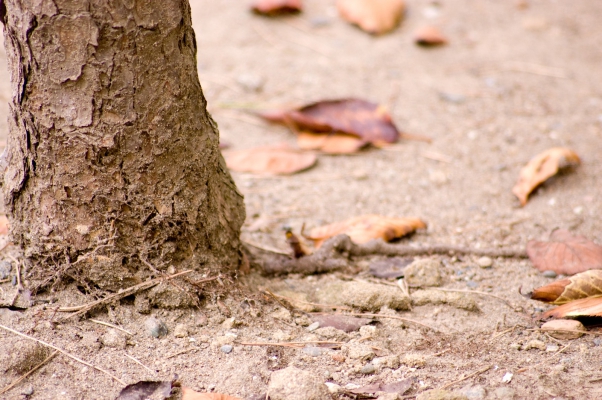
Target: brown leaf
(276,7)
(429,36)
(334,143)
(369,121)
(345,323)
(367,227)
(542,167)
(585,284)
(279,160)
(565,254)
(373,16)
(189,394)
(4,225)
(589,307)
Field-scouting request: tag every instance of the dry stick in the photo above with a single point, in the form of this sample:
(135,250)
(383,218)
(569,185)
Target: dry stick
(135,360)
(477,292)
(4,280)
(502,333)
(126,292)
(63,352)
(111,326)
(34,369)
(479,372)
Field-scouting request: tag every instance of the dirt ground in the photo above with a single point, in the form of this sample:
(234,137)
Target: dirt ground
(513,81)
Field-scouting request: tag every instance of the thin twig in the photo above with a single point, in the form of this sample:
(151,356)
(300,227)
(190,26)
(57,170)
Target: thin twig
(4,280)
(479,372)
(384,316)
(34,369)
(502,333)
(111,326)
(63,352)
(476,292)
(126,292)
(138,362)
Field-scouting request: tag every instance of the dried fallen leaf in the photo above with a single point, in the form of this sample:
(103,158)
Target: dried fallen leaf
(276,7)
(368,121)
(373,16)
(4,225)
(564,329)
(345,323)
(367,227)
(542,167)
(334,143)
(279,160)
(429,36)
(146,389)
(565,254)
(589,307)
(585,284)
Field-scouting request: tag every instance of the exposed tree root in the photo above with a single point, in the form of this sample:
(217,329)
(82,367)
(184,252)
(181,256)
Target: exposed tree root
(335,253)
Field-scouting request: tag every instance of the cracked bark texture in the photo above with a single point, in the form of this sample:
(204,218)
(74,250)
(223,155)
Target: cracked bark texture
(112,161)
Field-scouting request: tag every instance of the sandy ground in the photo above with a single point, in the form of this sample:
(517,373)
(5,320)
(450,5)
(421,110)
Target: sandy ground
(512,82)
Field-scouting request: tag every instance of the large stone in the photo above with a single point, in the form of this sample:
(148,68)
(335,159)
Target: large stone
(564,329)
(425,272)
(364,295)
(296,384)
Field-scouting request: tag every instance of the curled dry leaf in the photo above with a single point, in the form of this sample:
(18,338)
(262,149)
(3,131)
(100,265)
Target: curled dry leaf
(278,160)
(373,16)
(360,118)
(589,307)
(585,284)
(565,253)
(429,36)
(367,227)
(542,167)
(276,7)
(333,143)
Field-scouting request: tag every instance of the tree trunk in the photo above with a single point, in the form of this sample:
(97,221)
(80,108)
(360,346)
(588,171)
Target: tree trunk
(112,165)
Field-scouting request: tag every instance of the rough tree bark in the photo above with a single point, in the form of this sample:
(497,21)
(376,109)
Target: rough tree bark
(112,161)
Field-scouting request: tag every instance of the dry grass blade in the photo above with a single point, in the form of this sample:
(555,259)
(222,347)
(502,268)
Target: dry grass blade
(291,344)
(34,369)
(63,352)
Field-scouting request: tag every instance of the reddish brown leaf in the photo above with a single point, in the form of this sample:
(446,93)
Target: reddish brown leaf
(582,285)
(333,143)
(368,121)
(429,36)
(279,160)
(373,16)
(565,254)
(276,7)
(541,168)
(589,307)
(367,227)
(4,225)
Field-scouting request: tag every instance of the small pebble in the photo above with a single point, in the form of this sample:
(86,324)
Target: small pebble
(549,274)
(5,268)
(312,351)
(27,391)
(552,348)
(181,331)
(156,328)
(226,348)
(507,378)
(313,326)
(485,262)
(368,369)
